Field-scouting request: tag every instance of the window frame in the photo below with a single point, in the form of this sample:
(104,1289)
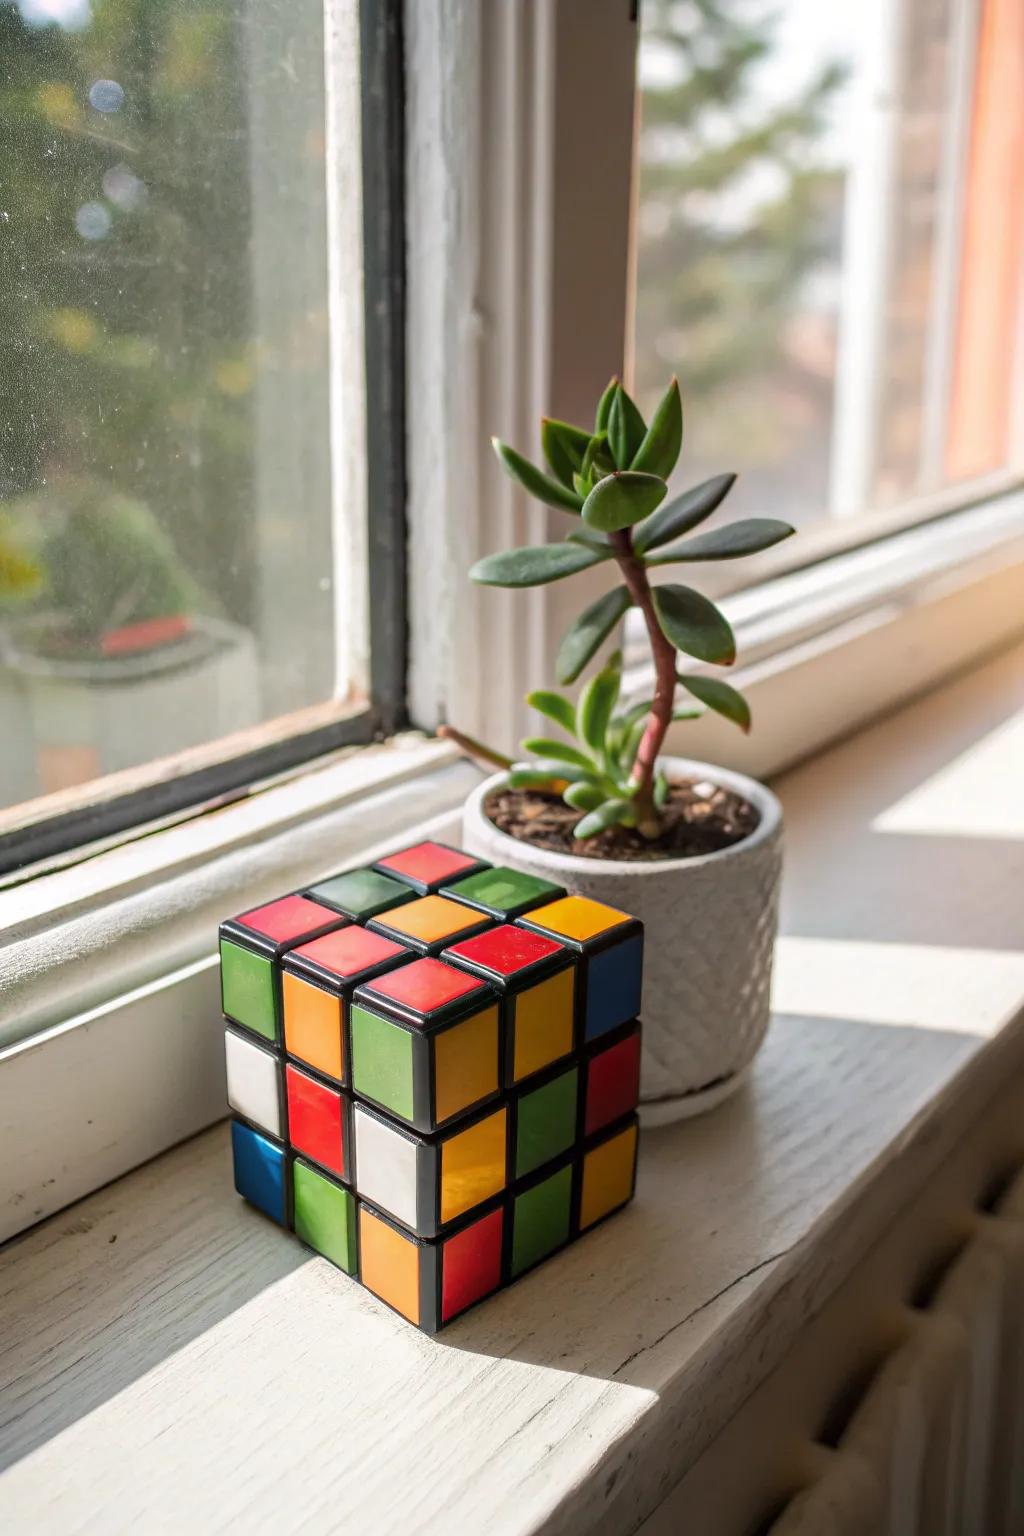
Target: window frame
(464,504)
(56,826)
(112,950)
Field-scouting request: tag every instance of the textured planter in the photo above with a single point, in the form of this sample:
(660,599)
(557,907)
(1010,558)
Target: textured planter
(710,924)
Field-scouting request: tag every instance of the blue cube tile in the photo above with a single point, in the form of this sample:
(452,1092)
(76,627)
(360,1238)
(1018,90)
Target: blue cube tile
(259,1171)
(613,986)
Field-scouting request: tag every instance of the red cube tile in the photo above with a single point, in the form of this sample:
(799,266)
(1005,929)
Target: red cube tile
(317,1121)
(612,1081)
(471,1264)
(290,918)
(426,866)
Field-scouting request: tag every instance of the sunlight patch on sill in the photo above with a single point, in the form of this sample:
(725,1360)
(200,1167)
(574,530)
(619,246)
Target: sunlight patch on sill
(307,1326)
(922,986)
(979,794)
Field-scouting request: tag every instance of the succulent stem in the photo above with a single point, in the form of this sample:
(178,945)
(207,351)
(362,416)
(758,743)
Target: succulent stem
(474,748)
(645,765)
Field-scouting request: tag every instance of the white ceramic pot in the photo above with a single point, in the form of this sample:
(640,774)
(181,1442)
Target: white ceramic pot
(710,927)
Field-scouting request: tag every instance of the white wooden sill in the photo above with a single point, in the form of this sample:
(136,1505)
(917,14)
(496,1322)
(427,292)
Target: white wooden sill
(175,1363)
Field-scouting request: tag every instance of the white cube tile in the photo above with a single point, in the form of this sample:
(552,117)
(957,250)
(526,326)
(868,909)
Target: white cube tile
(254,1082)
(385,1166)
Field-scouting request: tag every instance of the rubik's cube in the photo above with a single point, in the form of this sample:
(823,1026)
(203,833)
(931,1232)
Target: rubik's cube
(433,1067)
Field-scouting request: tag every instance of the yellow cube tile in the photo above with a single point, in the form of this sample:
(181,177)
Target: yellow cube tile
(430,923)
(608,1171)
(465,1064)
(577,917)
(542,1025)
(536,976)
(473,1165)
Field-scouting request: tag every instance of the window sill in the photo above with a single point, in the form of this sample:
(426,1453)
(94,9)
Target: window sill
(162,1316)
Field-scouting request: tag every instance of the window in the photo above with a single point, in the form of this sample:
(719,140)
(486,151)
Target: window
(184,555)
(830,247)
(516,215)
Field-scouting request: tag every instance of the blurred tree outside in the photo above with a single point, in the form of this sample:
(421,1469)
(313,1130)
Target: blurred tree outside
(738,240)
(125,353)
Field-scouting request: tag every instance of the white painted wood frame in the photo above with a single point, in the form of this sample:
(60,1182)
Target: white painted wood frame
(519,128)
(867,253)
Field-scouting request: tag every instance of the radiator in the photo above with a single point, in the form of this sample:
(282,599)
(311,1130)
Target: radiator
(936,1446)
(898,1410)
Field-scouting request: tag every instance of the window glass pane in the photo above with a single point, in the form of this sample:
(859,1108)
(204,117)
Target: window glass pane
(166,561)
(831,244)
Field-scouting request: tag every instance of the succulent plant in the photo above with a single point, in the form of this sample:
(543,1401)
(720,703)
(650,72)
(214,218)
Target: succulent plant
(95,559)
(614,481)
(110,564)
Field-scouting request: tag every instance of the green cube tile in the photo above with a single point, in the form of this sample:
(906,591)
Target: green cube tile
(540,1220)
(247,989)
(325,1216)
(546,1122)
(362,893)
(382,1061)
(503,893)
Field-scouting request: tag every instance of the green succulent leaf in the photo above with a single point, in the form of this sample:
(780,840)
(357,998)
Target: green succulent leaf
(694,625)
(564,446)
(637,712)
(613,743)
(604,405)
(584,797)
(720,696)
(534,565)
(552,492)
(545,769)
(535,775)
(581,485)
(592,540)
(526,778)
(559,752)
(687,712)
(659,450)
(626,429)
(597,704)
(622,499)
(589,632)
(660,791)
(683,513)
(631,744)
(597,458)
(612,813)
(746,537)
(555,706)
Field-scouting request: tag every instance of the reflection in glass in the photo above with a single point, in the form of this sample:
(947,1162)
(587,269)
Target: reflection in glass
(165,546)
(810,257)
